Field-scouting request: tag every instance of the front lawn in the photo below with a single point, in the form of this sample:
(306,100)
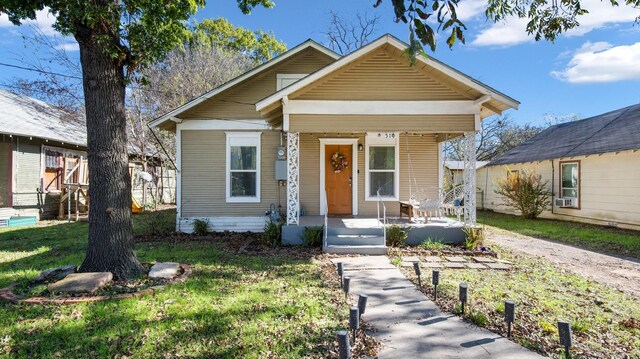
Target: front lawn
(605,322)
(234,305)
(588,236)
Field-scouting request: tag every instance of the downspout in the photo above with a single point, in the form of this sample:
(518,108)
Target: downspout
(553,184)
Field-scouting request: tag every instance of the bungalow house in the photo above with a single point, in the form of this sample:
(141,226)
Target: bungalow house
(319,135)
(42,158)
(592,168)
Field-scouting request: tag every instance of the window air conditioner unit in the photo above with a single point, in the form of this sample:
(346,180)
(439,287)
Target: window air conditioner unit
(566,202)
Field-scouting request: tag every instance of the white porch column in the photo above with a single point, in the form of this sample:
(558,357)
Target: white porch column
(469,178)
(293,178)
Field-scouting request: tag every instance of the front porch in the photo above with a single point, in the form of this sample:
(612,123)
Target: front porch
(365,235)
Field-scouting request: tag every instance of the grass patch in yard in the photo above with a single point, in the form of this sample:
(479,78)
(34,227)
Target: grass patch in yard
(602,318)
(588,236)
(234,305)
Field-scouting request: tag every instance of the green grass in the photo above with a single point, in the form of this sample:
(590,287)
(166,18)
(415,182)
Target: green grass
(233,305)
(587,236)
(543,295)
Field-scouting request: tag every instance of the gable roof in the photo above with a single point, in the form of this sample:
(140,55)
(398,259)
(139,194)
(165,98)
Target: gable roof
(613,131)
(28,117)
(393,41)
(256,70)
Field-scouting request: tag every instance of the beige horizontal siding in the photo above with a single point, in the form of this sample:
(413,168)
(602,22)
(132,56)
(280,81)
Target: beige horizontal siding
(204,177)
(380,76)
(610,189)
(389,123)
(424,160)
(5,173)
(239,101)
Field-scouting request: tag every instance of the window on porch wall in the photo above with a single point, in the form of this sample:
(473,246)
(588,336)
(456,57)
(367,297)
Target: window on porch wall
(382,168)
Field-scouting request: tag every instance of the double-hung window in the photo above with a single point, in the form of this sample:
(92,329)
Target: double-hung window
(570,180)
(243,167)
(382,166)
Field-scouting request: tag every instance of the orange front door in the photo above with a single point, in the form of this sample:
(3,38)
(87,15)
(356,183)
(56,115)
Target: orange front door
(337,179)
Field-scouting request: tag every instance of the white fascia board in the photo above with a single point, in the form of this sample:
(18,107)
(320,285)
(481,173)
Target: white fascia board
(241,78)
(226,124)
(315,107)
(401,46)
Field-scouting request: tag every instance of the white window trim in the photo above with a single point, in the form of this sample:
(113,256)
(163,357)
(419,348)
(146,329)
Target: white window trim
(282,77)
(354,170)
(372,139)
(577,197)
(246,139)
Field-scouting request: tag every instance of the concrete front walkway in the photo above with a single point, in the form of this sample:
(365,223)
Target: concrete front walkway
(409,325)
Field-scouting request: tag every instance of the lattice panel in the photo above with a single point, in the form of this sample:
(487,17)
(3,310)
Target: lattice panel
(469,175)
(293,178)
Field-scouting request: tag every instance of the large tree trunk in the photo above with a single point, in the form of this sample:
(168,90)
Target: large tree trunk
(111,243)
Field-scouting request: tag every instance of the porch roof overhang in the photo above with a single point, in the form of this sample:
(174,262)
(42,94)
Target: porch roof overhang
(277,107)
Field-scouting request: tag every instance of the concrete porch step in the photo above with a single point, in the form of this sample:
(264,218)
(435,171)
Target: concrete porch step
(335,231)
(363,249)
(355,239)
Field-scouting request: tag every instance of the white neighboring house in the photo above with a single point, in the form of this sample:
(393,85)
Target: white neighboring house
(456,170)
(592,167)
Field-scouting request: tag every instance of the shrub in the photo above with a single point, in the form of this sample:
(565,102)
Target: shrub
(478,318)
(200,227)
(396,236)
(433,245)
(272,234)
(474,237)
(312,236)
(524,191)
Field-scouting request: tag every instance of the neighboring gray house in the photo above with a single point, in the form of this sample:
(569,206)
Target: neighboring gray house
(592,167)
(42,147)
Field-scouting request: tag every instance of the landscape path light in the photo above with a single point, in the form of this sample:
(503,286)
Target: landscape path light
(343,344)
(509,315)
(435,280)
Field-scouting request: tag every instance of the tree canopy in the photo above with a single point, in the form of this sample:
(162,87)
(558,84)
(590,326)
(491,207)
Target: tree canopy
(259,46)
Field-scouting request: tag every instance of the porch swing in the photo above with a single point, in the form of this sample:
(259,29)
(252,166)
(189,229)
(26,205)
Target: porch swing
(421,204)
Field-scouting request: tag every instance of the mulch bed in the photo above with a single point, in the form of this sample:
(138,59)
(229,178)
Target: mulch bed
(114,291)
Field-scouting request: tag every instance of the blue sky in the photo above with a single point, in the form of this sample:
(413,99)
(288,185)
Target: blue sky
(588,71)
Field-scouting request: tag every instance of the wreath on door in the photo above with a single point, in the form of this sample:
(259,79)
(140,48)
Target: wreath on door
(339,162)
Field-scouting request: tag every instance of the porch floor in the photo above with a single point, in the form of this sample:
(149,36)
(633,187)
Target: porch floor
(365,222)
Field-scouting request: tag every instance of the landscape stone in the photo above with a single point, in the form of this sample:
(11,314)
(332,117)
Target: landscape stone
(432,265)
(81,282)
(497,266)
(456,259)
(503,261)
(432,259)
(407,264)
(56,274)
(454,265)
(476,266)
(410,259)
(483,260)
(166,270)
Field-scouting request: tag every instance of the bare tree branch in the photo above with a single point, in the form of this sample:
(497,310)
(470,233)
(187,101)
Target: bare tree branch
(348,34)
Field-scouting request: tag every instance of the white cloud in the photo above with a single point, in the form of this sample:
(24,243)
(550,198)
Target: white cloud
(469,9)
(43,21)
(601,13)
(68,46)
(509,33)
(602,62)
